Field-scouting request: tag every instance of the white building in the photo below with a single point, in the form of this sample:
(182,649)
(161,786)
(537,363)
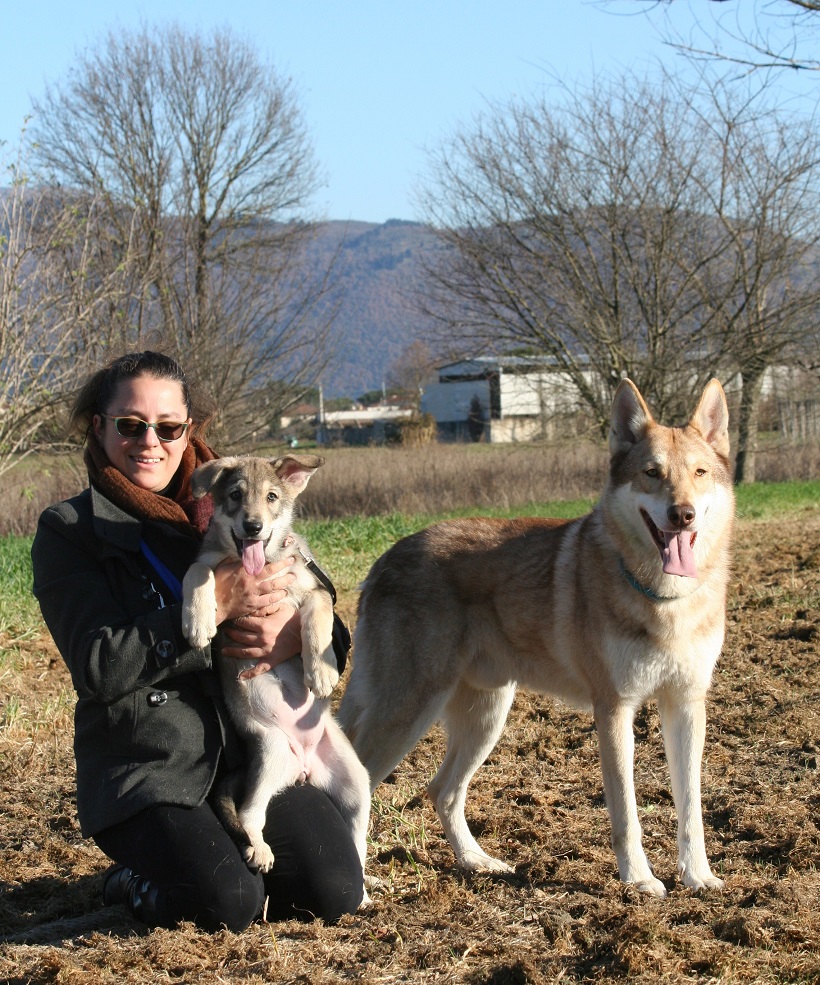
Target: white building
(518,398)
(499,399)
(366,426)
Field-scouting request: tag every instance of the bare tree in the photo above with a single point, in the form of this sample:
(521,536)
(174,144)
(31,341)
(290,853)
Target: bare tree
(755,35)
(635,228)
(200,154)
(764,293)
(412,369)
(575,231)
(49,294)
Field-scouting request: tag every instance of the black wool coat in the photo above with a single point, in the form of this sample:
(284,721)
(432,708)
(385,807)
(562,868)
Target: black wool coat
(150,725)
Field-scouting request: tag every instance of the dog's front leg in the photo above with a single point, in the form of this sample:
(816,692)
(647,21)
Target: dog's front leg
(683,720)
(318,658)
(617,748)
(199,604)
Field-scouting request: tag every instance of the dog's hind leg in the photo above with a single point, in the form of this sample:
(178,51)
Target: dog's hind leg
(384,742)
(338,771)
(384,728)
(268,773)
(474,720)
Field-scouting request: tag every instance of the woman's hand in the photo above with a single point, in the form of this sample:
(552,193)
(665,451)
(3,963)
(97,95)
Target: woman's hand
(240,594)
(268,639)
(260,625)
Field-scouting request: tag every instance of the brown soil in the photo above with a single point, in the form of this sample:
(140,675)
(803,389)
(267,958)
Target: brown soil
(537,802)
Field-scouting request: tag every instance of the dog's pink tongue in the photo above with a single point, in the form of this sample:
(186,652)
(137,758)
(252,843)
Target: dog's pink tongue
(253,556)
(678,556)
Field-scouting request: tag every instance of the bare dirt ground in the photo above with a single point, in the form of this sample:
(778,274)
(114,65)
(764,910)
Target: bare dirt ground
(537,802)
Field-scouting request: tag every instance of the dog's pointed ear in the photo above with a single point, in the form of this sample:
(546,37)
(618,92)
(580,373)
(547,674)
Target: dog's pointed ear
(711,418)
(206,476)
(296,470)
(630,418)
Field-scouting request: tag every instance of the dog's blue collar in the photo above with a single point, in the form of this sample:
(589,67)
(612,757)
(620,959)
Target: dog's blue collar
(648,592)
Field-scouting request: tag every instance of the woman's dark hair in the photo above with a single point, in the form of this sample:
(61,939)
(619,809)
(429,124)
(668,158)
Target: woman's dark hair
(98,391)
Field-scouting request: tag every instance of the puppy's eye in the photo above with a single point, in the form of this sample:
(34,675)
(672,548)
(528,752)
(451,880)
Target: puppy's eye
(700,472)
(235,495)
(272,497)
(652,473)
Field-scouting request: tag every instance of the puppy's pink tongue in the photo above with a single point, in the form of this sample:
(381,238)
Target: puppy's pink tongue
(678,556)
(253,556)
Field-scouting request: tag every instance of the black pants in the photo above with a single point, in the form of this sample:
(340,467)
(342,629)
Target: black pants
(202,877)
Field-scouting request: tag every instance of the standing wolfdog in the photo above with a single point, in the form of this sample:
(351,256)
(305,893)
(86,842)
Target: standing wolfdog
(606,612)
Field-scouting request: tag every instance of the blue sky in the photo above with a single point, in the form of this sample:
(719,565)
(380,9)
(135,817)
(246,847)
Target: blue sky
(380,83)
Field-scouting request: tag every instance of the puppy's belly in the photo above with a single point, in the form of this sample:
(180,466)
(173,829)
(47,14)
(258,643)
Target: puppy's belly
(299,718)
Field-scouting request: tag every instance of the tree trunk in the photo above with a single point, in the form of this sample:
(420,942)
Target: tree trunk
(752,383)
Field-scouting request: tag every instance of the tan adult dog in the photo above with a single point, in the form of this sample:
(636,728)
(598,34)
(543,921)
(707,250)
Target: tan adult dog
(605,612)
(282,715)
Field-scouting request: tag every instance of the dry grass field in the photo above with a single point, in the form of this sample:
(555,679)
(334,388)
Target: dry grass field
(563,915)
(433,479)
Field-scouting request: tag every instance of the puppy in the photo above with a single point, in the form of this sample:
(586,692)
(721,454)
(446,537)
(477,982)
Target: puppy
(283,714)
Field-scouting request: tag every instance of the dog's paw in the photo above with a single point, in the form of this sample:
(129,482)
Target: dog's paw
(651,886)
(200,636)
(698,881)
(472,861)
(197,628)
(321,680)
(258,857)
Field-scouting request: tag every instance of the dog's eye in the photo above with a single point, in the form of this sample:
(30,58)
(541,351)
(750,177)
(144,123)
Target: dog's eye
(235,495)
(700,472)
(652,473)
(272,497)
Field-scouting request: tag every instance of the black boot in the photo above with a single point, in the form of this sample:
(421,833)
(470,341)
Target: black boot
(139,895)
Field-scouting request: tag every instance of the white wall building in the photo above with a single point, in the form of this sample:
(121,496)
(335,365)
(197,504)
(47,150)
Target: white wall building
(368,425)
(511,398)
(516,398)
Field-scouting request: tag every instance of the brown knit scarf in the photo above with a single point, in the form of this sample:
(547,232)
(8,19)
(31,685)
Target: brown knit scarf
(175,505)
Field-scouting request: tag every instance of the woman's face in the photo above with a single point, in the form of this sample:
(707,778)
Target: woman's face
(148,462)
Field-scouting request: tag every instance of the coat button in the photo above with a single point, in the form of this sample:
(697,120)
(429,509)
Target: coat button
(157,698)
(165,651)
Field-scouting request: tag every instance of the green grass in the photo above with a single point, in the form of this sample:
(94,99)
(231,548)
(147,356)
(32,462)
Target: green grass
(763,499)
(19,613)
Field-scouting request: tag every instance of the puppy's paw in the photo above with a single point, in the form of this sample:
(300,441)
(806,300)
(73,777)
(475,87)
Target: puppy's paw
(258,857)
(200,636)
(198,628)
(322,679)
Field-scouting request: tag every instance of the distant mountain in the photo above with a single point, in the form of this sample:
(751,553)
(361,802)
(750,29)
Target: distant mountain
(376,271)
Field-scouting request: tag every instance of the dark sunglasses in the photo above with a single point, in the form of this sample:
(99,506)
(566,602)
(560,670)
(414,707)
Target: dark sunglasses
(133,427)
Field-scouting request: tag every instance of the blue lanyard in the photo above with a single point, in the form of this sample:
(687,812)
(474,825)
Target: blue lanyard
(170,579)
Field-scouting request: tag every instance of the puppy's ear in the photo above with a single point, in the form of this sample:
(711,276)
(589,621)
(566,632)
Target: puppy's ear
(206,476)
(630,418)
(296,470)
